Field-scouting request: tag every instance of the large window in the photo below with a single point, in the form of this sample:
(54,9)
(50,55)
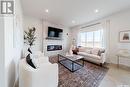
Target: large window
(91,39)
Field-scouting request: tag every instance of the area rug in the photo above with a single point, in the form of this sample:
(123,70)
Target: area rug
(90,75)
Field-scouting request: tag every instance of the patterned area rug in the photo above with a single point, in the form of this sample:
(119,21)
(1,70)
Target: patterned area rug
(89,76)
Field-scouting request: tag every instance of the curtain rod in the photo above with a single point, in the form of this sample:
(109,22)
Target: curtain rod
(91,25)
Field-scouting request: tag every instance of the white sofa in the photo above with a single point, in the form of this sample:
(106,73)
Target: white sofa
(46,75)
(91,54)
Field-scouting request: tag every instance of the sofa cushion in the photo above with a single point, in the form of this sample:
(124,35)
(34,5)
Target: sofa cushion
(88,51)
(82,49)
(89,55)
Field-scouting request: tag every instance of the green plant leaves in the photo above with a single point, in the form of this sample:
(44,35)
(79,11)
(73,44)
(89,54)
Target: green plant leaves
(29,36)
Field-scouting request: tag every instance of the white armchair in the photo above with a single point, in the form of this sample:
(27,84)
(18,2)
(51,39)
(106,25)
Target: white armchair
(44,76)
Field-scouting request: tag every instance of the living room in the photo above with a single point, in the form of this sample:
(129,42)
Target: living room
(70,44)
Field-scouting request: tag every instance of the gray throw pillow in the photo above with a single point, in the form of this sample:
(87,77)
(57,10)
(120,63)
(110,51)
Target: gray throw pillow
(100,52)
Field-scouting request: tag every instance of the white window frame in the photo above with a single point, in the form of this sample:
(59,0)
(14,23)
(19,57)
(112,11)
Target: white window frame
(93,42)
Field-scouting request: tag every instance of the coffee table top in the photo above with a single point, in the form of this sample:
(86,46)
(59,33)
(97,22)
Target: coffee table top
(72,57)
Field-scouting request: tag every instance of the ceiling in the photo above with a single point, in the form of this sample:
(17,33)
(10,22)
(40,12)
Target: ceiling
(65,11)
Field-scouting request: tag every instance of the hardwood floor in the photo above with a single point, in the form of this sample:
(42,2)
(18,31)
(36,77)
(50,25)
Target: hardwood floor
(116,77)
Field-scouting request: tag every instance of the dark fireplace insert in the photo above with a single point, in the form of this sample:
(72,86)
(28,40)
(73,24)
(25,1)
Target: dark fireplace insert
(54,47)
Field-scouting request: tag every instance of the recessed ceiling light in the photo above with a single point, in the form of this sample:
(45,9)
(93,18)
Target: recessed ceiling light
(96,11)
(46,10)
(73,22)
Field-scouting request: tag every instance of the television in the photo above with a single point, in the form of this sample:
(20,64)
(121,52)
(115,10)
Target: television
(54,33)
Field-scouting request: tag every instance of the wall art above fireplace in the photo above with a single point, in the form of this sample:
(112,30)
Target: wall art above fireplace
(54,47)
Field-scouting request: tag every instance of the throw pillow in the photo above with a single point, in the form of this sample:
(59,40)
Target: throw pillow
(29,61)
(95,51)
(38,54)
(75,51)
(100,52)
(36,62)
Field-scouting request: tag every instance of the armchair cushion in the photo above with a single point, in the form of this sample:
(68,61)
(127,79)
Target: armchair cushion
(38,58)
(38,62)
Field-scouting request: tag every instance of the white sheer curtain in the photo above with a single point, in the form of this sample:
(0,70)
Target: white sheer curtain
(104,25)
(106,36)
(91,36)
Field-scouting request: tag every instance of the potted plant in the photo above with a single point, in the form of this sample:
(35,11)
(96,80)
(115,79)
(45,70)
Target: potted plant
(29,37)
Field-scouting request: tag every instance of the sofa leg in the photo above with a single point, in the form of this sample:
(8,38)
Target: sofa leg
(101,64)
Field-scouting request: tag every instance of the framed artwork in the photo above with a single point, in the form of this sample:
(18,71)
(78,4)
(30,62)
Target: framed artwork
(124,36)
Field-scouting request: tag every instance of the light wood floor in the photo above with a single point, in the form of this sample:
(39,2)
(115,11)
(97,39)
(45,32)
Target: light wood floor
(116,77)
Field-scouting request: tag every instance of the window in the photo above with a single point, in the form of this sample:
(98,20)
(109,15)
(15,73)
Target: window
(91,39)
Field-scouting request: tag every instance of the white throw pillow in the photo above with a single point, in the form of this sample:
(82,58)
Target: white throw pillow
(38,54)
(36,62)
(95,51)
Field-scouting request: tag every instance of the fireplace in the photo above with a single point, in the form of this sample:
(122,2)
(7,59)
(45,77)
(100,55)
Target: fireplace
(54,47)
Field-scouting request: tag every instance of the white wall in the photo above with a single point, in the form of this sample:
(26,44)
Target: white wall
(30,22)
(118,22)
(9,62)
(41,34)
(2,78)
(13,44)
